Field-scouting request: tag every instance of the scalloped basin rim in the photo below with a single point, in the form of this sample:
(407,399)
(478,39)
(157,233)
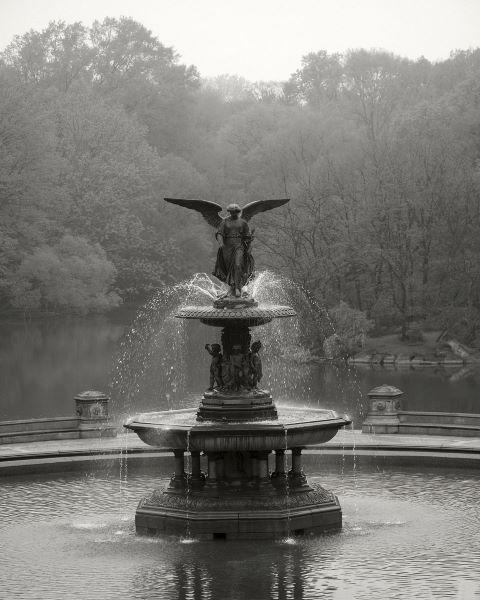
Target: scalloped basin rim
(225,428)
(238,438)
(210,312)
(153,422)
(291,413)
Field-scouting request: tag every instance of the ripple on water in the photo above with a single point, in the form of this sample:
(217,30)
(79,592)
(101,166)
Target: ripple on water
(406,534)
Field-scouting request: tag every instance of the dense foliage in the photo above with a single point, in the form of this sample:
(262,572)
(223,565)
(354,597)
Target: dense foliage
(379,155)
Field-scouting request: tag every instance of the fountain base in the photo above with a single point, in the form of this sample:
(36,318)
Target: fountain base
(248,405)
(241,496)
(262,513)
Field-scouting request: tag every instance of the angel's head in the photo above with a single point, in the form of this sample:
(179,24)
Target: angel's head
(234,210)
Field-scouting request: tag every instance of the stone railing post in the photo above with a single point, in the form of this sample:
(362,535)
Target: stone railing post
(384,406)
(91,408)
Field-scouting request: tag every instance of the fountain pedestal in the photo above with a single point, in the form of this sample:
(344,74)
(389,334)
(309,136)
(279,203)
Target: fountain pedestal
(247,492)
(239,516)
(255,405)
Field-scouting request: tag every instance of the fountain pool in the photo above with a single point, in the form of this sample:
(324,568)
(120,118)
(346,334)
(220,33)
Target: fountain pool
(406,533)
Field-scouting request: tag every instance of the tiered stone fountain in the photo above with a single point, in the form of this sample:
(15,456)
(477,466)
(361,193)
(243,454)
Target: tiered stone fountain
(244,494)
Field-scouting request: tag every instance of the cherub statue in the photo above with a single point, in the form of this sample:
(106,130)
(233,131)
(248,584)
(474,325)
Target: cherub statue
(215,351)
(256,364)
(237,363)
(234,264)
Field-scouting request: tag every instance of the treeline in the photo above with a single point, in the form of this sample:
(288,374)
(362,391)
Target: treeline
(379,155)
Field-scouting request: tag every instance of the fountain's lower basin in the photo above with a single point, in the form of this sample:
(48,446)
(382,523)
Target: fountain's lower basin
(244,494)
(295,427)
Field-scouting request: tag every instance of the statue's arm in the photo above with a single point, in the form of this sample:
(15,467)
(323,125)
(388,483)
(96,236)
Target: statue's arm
(220,234)
(247,235)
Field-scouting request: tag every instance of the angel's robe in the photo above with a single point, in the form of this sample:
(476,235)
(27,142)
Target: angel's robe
(235,264)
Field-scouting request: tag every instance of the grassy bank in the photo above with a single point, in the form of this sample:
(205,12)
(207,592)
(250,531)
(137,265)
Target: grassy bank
(429,348)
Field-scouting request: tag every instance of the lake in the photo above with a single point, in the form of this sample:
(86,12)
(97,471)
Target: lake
(45,363)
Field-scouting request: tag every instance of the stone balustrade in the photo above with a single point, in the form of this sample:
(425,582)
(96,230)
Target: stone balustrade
(91,421)
(386,415)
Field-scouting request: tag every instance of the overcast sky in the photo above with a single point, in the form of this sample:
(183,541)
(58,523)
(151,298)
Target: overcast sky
(265,39)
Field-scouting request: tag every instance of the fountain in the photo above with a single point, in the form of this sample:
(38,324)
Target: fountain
(237,425)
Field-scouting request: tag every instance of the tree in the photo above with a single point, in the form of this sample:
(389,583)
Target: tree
(31,193)
(133,68)
(351,328)
(116,183)
(320,79)
(56,56)
(376,85)
(71,275)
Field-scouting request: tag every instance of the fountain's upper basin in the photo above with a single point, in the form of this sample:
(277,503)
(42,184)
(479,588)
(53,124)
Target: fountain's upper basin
(249,316)
(295,427)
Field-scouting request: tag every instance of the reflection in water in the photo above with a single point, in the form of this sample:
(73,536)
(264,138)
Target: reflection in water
(216,571)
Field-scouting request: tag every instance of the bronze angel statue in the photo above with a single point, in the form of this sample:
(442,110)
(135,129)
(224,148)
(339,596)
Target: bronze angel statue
(234,264)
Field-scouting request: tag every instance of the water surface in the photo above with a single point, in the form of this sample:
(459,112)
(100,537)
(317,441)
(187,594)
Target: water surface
(407,534)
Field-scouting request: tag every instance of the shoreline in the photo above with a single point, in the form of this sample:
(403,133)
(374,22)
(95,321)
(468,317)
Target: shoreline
(391,360)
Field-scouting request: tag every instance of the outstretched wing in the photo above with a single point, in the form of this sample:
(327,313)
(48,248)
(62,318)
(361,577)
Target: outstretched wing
(253,208)
(208,210)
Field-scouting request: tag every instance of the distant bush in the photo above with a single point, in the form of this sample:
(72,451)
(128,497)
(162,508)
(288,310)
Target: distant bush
(351,326)
(73,275)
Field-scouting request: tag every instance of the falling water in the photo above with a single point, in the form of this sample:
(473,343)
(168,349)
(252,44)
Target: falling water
(288,539)
(123,477)
(354,467)
(291,346)
(188,539)
(151,363)
(160,363)
(299,342)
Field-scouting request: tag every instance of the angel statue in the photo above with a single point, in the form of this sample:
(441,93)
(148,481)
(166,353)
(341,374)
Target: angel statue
(234,264)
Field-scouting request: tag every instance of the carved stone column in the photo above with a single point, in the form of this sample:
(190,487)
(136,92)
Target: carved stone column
(296,461)
(197,478)
(212,479)
(254,464)
(220,466)
(279,476)
(296,476)
(179,478)
(263,476)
